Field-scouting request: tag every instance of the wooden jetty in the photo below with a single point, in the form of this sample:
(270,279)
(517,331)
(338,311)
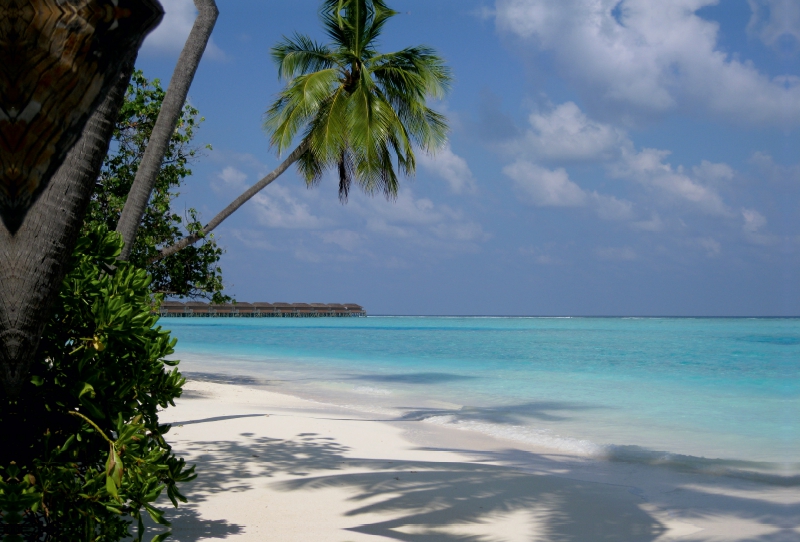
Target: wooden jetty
(194,309)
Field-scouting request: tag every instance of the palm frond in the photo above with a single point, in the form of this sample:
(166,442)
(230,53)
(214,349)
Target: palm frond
(429,68)
(362,113)
(346,169)
(328,130)
(309,168)
(330,15)
(369,124)
(300,55)
(298,103)
(381,14)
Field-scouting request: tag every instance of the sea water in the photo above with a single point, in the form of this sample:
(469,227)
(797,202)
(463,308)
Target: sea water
(648,388)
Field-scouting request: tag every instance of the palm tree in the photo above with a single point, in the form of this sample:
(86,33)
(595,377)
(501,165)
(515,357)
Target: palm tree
(182,77)
(359,111)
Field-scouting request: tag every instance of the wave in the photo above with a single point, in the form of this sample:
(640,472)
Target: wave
(757,471)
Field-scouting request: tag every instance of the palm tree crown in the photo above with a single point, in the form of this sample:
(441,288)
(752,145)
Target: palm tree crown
(359,109)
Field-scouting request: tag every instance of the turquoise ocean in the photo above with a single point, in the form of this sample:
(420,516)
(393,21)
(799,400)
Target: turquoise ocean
(716,392)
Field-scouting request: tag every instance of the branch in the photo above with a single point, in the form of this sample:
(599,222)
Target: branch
(171,108)
(90,422)
(235,204)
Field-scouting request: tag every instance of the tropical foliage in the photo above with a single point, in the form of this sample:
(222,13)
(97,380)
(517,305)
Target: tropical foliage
(84,454)
(194,272)
(359,110)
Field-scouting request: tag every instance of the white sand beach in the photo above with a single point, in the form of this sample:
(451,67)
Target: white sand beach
(279,468)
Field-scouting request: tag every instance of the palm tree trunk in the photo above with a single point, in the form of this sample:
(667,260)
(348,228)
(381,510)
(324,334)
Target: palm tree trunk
(168,117)
(235,204)
(34,259)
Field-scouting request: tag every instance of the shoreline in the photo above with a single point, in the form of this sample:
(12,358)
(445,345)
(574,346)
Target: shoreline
(313,471)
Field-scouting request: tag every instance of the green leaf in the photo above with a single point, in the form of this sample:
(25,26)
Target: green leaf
(86,388)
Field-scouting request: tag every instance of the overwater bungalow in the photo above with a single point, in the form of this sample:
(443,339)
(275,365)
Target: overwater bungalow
(259,309)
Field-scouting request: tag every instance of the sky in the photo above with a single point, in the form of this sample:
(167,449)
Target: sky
(606,158)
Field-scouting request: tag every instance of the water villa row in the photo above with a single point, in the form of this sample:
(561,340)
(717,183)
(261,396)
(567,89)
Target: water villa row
(261,310)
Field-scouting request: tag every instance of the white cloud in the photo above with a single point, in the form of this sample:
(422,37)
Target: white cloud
(544,187)
(657,57)
(775,22)
(713,172)
(361,229)
(420,221)
(776,173)
(611,208)
(649,168)
(553,188)
(567,134)
(753,220)
(230,179)
(754,225)
(277,208)
(170,36)
(452,168)
(615,253)
(654,224)
(710,245)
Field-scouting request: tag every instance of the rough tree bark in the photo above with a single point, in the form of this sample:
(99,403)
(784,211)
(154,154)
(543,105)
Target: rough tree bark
(33,259)
(62,84)
(182,77)
(234,205)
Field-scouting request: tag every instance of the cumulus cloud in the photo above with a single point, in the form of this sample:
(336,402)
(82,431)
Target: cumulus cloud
(170,36)
(230,179)
(544,187)
(611,208)
(713,172)
(653,224)
(754,225)
(753,220)
(452,168)
(419,220)
(553,188)
(776,173)
(710,245)
(649,168)
(776,23)
(277,208)
(648,57)
(567,134)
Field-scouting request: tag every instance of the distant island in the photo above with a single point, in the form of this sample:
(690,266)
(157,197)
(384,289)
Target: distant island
(260,309)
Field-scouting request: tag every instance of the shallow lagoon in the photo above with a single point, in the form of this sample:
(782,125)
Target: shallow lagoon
(638,388)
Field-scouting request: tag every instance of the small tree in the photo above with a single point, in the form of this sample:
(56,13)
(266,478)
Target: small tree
(84,454)
(193,272)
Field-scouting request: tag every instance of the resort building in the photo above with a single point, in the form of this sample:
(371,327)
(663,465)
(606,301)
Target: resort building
(260,310)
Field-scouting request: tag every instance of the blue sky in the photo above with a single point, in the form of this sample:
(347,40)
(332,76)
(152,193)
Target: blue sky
(606,158)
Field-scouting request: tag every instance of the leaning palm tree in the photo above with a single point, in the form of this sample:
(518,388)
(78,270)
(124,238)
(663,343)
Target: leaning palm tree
(359,111)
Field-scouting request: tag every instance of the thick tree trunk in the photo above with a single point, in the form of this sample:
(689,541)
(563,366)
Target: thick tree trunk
(235,204)
(171,108)
(33,260)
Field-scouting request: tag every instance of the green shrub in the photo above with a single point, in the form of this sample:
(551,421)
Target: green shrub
(83,454)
